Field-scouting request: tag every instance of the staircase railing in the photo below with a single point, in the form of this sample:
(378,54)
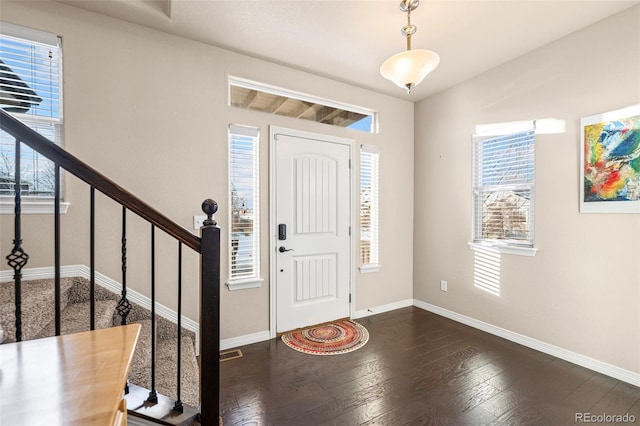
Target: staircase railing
(208,246)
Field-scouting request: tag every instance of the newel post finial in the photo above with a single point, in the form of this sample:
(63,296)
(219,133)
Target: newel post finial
(209,207)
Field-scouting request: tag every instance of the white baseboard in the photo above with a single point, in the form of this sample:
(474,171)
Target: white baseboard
(247,339)
(40,273)
(102,280)
(382,308)
(573,357)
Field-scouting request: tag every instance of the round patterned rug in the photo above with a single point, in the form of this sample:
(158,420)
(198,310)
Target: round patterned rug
(328,339)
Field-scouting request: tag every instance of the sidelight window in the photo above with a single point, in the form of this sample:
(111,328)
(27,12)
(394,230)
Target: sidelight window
(369,209)
(244,207)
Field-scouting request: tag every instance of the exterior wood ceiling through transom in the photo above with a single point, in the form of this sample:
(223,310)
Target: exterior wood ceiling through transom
(256,100)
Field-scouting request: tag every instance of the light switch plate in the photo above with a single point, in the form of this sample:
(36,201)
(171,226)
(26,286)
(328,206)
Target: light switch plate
(198,221)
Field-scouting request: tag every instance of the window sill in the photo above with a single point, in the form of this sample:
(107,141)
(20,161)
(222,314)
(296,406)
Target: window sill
(367,269)
(32,207)
(504,249)
(244,284)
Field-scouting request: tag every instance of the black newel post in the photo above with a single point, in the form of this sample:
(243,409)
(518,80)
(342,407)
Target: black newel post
(209,317)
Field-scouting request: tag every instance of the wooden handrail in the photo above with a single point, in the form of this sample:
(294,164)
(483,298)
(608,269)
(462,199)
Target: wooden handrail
(96,179)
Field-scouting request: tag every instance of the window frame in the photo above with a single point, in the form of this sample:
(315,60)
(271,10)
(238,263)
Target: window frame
(242,281)
(370,163)
(38,204)
(491,134)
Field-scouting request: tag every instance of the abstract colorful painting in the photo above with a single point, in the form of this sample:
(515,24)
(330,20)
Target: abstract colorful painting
(610,162)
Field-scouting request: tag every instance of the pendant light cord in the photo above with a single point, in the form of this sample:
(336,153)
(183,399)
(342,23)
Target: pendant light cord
(409,32)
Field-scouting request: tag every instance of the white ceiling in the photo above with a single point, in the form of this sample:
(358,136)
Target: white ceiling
(348,40)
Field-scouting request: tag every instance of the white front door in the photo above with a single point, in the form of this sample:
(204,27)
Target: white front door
(312,200)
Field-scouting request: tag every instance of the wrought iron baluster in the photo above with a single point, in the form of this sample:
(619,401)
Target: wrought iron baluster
(92,260)
(153,396)
(178,405)
(56,219)
(124,306)
(18,257)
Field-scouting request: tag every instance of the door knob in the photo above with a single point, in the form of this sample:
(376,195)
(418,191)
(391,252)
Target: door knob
(282,249)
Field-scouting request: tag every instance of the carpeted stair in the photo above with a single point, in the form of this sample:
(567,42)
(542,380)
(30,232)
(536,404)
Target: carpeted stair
(38,321)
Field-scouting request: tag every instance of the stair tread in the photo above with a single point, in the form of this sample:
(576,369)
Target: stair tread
(37,305)
(75,318)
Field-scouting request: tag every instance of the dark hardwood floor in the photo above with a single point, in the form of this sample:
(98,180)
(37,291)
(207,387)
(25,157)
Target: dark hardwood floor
(417,369)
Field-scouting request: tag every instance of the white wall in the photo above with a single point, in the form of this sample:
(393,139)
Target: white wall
(150,110)
(581,292)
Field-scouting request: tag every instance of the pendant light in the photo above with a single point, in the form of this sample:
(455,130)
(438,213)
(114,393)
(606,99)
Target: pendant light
(407,69)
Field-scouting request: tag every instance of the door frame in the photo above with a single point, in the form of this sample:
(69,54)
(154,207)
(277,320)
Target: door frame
(273,232)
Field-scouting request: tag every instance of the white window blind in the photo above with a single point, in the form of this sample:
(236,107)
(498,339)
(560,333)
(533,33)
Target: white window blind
(504,187)
(369,206)
(244,203)
(30,90)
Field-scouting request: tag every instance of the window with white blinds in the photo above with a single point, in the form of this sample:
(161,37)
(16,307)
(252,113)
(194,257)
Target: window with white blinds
(244,203)
(30,90)
(369,208)
(504,187)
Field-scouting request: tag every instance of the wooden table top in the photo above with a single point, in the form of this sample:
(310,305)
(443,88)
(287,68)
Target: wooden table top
(76,379)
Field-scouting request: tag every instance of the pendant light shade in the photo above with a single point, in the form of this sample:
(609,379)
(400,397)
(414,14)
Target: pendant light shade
(407,69)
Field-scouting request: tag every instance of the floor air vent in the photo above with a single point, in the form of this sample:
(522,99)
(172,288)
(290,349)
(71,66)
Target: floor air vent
(229,355)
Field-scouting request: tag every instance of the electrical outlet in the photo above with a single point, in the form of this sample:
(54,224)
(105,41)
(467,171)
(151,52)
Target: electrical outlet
(198,221)
(443,285)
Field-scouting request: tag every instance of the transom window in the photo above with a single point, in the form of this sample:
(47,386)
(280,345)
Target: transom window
(276,100)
